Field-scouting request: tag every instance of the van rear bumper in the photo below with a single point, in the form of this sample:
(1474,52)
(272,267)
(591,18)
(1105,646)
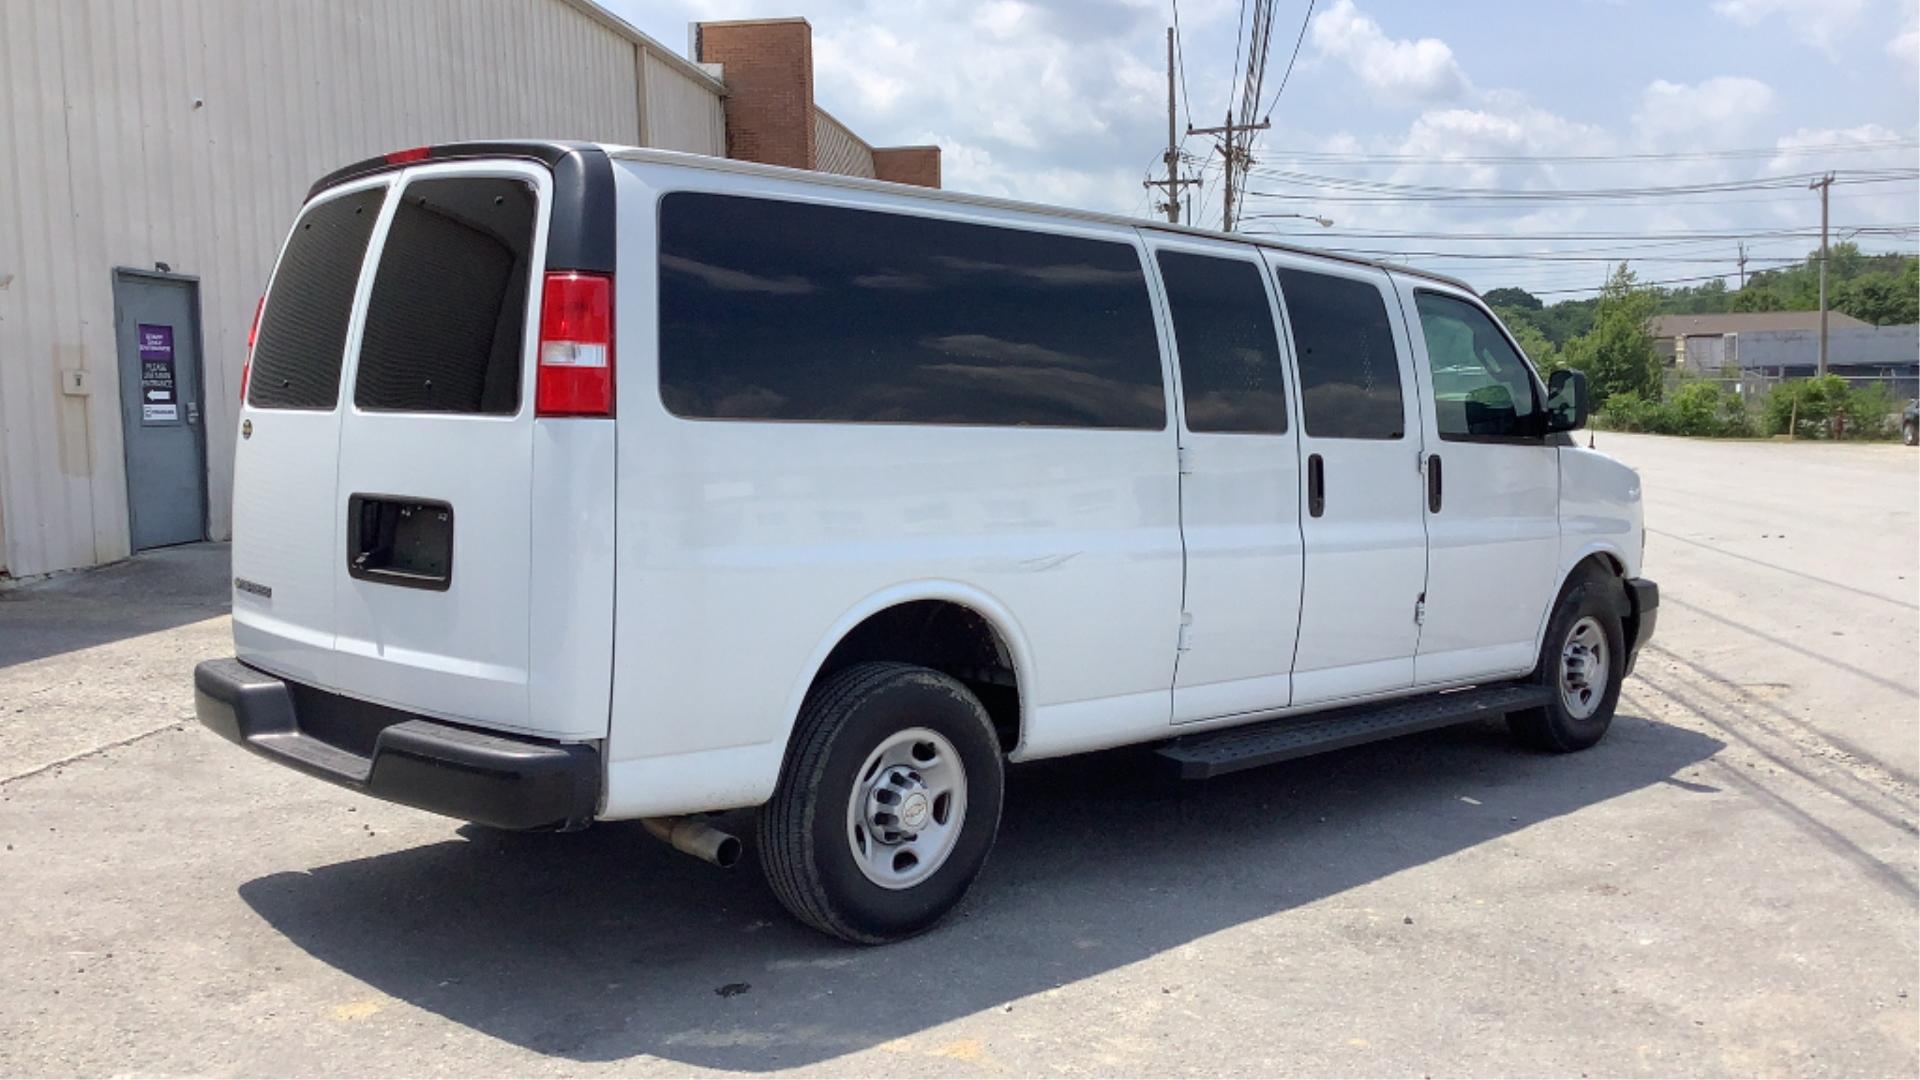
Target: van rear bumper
(493,779)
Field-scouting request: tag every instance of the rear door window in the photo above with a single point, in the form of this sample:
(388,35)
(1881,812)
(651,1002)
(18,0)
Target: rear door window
(774,310)
(446,321)
(1230,374)
(303,329)
(1343,344)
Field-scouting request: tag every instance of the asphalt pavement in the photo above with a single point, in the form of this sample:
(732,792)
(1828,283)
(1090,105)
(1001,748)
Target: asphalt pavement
(1725,886)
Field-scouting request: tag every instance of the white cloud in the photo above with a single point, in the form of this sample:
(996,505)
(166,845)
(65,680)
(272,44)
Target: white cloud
(1823,22)
(1398,69)
(1719,108)
(1905,46)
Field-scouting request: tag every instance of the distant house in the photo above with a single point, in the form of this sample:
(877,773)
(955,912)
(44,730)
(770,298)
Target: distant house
(1786,345)
(1709,342)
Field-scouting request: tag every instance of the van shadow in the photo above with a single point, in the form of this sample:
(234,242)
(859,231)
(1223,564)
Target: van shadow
(604,944)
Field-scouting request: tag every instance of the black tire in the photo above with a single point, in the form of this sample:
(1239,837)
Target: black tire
(802,835)
(1554,727)
(1910,433)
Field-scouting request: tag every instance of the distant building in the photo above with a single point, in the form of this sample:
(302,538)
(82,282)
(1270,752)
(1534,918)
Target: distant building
(159,152)
(1702,342)
(1786,345)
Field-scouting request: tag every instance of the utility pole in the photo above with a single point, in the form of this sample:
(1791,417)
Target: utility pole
(1743,264)
(1233,152)
(1172,183)
(1825,184)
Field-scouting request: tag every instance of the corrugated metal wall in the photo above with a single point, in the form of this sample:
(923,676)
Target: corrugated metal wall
(838,149)
(186,132)
(682,112)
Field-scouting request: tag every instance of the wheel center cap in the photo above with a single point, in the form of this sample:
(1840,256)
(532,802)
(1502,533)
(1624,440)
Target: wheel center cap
(913,811)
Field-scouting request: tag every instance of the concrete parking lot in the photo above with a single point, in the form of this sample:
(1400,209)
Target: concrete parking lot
(1727,885)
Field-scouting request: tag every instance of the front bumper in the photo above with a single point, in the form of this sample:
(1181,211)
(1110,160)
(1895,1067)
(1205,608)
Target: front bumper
(498,780)
(1643,611)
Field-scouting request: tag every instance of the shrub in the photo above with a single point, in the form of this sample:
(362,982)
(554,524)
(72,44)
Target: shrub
(1826,407)
(1700,409)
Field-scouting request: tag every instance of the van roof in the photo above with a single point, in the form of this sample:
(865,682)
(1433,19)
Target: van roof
(551,150)
(702,161)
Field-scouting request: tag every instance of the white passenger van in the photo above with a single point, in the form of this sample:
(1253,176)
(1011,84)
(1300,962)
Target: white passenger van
(580,483)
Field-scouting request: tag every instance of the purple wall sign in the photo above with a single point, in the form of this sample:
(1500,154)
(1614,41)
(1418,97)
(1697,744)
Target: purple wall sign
(159,395)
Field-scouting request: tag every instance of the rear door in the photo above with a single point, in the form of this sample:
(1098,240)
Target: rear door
(1366,543)
(286,524)
(431,573)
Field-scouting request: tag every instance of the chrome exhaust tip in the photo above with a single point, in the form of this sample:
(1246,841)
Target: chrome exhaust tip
(696,838)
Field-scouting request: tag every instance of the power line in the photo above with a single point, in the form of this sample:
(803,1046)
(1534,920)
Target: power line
(1779,260)
(1331,157)
(1180,55)
(1288,74)
(1876,230)
(1637,284)
(1239,34)
(1364,191)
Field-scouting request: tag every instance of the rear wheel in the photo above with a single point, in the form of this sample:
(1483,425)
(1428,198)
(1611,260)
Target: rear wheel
(887,806)
(1910,433)
(1581,661)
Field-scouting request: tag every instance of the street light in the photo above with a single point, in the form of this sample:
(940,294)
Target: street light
(1325,223)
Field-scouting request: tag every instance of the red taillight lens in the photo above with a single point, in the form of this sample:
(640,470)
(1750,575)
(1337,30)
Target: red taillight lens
(576,346)
(253,334)
(403,157)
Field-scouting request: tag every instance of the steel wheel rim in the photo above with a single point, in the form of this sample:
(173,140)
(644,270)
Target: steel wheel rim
(1583,668)
(906,809)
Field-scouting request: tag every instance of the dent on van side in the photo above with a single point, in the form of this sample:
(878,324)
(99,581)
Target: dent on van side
(579,483)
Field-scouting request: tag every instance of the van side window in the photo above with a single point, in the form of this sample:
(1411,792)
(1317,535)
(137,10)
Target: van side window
(303,328)
(1481,387)
(1230,373)
(1343,343)
(773,310)
(445,324)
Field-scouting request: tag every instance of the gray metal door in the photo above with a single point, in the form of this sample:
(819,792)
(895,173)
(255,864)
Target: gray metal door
(157,325)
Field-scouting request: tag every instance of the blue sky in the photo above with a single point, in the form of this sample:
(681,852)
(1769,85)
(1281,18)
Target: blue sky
(1063,102)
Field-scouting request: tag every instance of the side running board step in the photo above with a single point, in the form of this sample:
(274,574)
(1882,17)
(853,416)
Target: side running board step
(1198,757)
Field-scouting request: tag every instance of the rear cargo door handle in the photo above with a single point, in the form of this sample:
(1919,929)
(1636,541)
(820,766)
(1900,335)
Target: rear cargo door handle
(1433,484)
(395,540)
(1316,485)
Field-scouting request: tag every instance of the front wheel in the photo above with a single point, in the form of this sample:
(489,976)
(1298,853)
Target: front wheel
(887,805)
(1910,433)
(1581,661)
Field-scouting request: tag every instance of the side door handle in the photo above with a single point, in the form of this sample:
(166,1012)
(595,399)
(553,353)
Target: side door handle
(1433,484)
(1316,485)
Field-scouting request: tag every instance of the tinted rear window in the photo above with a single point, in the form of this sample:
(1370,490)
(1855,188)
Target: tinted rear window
(1230,374)
(1349,371)
(790,311)
(303,329)
(446,321)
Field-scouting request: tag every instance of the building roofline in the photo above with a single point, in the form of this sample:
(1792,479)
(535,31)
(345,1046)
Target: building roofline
(774,21)
(844,126)
(605,17)
(808,176)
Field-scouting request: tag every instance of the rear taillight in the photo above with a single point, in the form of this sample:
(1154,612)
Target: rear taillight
(253,334)
(576,346)
(407,156)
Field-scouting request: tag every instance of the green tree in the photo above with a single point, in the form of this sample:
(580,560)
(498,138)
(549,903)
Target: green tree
(1519,299)
(1533,341)
(1758,299)
(1617,354)
(1880,299)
